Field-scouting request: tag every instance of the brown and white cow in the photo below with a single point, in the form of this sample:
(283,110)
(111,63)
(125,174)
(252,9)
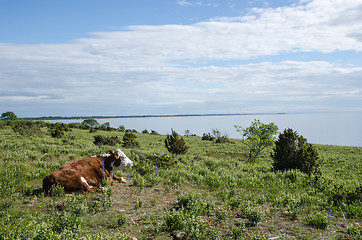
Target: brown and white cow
(84,175)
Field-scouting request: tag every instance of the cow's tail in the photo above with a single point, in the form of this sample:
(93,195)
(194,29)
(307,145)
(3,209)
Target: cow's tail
(48,182)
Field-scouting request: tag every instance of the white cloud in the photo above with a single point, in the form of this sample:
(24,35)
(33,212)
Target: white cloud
(185,3)
(22,98)
(157,69)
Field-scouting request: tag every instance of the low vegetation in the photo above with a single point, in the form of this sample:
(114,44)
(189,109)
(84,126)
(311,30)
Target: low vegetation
(210,191)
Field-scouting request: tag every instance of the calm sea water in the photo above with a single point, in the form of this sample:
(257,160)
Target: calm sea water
(322,128)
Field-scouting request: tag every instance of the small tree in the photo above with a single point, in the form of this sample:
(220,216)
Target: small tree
(8,116)
(175,144)
(294,152)
(257,137)
(89,123)
(129,140)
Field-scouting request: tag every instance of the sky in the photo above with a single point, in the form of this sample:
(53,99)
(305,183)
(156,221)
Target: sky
(143,57)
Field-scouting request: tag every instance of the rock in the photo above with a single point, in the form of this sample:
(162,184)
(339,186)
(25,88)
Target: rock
(180,235)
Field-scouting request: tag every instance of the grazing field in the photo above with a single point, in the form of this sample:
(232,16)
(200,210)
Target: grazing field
(211,192)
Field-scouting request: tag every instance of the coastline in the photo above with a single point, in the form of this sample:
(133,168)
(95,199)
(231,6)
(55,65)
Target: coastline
(146,116)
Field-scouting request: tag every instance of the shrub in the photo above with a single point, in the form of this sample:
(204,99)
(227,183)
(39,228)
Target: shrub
(57,130)
(106,127)
(294,152)
(76,204)
(317,220)
(174,221)
(175,144)
(207,137)
(27,128)
(129,140)
(237,232)
(2,124)
(192,226)
(160,161)
(64,221)
(354,232)
(253,214)
(153,132)
(144,168)
(106,140)
(292,211)
(101,201)
(340,193)
(191,203)
(57,190)
(222,139)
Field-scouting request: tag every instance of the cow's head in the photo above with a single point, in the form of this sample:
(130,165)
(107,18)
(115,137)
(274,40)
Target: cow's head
(125,161)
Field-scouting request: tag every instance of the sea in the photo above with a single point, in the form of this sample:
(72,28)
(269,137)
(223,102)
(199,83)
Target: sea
(344,129)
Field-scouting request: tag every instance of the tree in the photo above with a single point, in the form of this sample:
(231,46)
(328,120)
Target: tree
(257,137)
(175,144)
(8,116)
(90,122)
(292,151)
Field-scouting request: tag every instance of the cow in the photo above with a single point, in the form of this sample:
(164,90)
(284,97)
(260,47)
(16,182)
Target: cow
(84,175)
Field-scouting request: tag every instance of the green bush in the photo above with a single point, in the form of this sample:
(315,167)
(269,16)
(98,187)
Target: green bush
(222,139)
(192,226)
(175,144)
(354,232)
(253,214)
(174,220)
(317,220)
(106,127)
(191,203)
(129,140)
(106,140)
(58,190)
(57,130)
(207,137)
(341,194)
(237,232)
(160,161)
(292,151)
(27,128)
(144,168)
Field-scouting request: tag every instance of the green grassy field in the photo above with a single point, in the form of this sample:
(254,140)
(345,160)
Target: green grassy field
(211,192)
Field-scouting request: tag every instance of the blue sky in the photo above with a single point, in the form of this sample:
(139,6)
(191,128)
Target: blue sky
(112,57)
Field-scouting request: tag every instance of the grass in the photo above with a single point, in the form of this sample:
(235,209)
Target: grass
(212,192)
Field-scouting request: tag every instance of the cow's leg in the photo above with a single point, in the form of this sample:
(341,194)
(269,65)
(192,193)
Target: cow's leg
(108,176)
(119,179)
(86,187)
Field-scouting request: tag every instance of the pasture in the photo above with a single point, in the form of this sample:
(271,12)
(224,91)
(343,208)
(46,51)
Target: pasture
(211,192)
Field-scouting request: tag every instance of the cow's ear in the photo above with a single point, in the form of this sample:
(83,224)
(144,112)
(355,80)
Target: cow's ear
(110,151)
(116,155)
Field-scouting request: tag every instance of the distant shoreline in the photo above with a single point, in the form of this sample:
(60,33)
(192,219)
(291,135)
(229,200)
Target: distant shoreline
(146,116)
